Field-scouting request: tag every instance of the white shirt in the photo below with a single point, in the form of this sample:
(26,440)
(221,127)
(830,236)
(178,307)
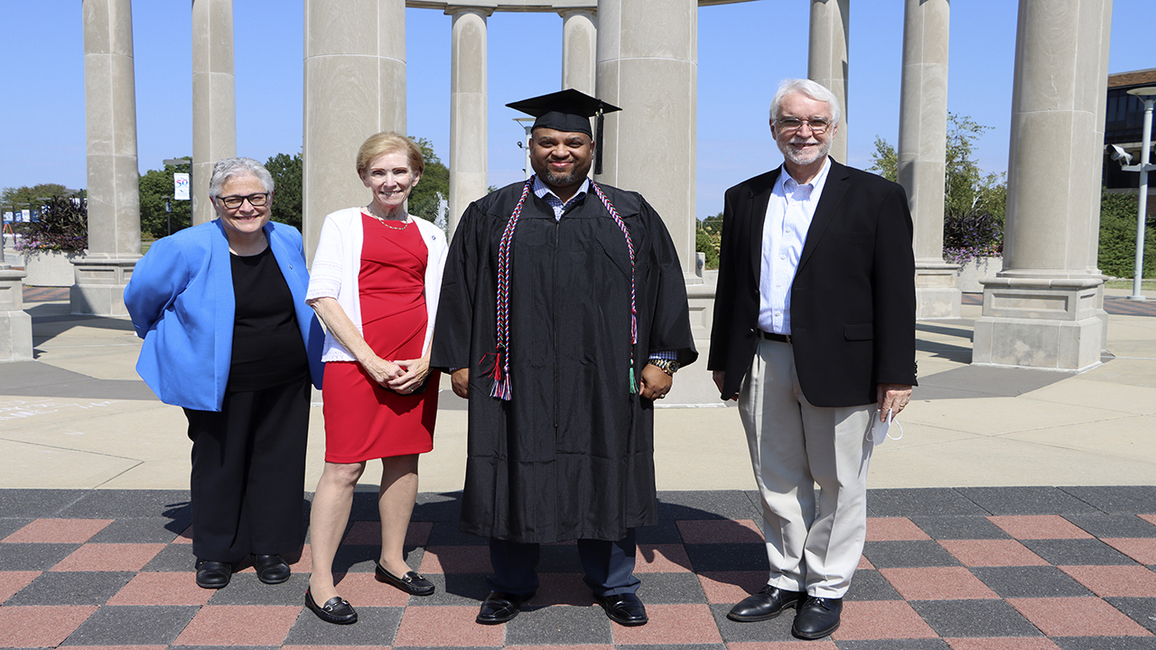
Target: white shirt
(789,214)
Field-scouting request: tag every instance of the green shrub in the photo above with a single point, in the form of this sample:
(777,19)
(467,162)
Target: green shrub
(1118,237)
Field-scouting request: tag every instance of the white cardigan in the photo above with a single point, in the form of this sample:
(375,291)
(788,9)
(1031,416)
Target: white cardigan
(337,263)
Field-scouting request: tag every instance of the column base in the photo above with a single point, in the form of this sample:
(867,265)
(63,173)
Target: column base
(1034,322)
(15,323)
(936,294)
(99,288)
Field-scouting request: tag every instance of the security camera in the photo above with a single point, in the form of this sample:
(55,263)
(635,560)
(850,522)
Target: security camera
(1118,153)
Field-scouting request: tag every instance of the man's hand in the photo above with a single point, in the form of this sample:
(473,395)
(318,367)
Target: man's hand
(893,397)
(719,377)
(655,382)
(460,382)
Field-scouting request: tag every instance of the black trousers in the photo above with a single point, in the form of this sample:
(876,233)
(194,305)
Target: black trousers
(248,477)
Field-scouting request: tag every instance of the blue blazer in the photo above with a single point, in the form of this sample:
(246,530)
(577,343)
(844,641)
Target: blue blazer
(180,298)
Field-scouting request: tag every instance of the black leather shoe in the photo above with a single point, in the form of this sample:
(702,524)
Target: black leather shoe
(213,575)
(271,569)
(765,605)
(411,583)
(336,610)
(817,617)
(624,609)
(500,607)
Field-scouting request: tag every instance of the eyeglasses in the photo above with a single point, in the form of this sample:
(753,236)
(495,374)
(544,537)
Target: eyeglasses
(233,202)
(818,125)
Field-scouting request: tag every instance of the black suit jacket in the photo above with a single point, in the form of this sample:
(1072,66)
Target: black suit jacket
(853,295)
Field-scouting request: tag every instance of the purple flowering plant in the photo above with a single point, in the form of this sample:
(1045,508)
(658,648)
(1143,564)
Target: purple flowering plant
(63,226)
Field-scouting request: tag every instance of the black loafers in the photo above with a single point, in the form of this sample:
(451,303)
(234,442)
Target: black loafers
(624,609)
(500,607)
(411,583)
(765,605)
(213,575)
(336,610)
(271,569)
(817,617)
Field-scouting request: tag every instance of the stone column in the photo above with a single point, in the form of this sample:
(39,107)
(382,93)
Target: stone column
(15,323)
(827,59)
(468,114)
(923,150)
(647,65)
(579,49)
(113,179)
(354,87)
(1045,309)
(214,99)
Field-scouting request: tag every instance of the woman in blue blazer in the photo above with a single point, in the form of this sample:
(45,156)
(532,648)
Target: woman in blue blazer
(228,336)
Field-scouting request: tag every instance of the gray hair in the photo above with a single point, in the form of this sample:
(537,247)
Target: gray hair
(809,88)
(227,168)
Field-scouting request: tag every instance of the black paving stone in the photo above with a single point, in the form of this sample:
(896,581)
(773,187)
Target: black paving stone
(1027,501)
(1105,643)
(775,629)
(10,525)
(670,588)
(664,532)
(33,557)
(376,626)
(247,589)
(559,625)
(1131,499)
(458,589)
(447,533)
(1063,552)
(446,506)
(36,504)
(71,588)
(676,646)
(720,504)
(1141,610)
(1115,525)
(132,625)
(916,553)
(155,530)
(871,585)
(920,502)
(974,618)
(1029,582)
(973,527)
(174,557)
(727,557)
(116,504)
(892,644)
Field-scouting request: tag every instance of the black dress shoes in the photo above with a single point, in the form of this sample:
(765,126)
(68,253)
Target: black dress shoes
(624,609)
(271,569)
(765,605)
(411,583)
(500,607)
(817,617)
(213,575)
(336,610)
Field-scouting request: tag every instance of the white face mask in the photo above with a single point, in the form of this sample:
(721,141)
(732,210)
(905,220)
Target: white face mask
(879,430)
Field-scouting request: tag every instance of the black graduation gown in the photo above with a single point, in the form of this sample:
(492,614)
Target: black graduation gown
(571,454)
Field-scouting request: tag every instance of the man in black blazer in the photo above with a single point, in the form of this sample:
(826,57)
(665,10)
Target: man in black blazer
(814,335)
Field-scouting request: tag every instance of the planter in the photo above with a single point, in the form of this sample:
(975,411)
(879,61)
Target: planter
(49,268)
(968,277)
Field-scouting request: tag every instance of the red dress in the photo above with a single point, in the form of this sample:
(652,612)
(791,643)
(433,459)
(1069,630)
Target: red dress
(364,420)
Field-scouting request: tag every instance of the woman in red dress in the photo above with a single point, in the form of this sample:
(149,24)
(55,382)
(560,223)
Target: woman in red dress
(375,282)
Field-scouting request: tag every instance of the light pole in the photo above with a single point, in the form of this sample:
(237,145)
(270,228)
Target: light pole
(1147,94)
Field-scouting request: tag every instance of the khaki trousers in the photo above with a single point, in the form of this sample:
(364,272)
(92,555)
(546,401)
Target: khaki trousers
(810,465)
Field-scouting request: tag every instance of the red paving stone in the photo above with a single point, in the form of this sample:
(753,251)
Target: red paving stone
(670,624)
(335,647)
(58,531)
(109,557)
(720,531)
(661,558)
(1057,617)
(554,647)
(731,586)
(1002,643)
(240,625)
(41,627)
(114,647)
(1142,549)
(937,583)
(455,559)
(442,627)
(1148,518)
(991,552)
(368,533)
(1039,527)
(186,536)
(881,619)
(893,529)
(13,581)
(162,588)
(821,644)
(1107,581)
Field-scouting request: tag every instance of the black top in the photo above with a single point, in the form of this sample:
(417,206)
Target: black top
(267,346)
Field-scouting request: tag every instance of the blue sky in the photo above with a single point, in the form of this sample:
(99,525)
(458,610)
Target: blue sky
(744,50)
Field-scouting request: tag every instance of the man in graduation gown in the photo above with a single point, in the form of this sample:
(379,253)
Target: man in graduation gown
(563,316)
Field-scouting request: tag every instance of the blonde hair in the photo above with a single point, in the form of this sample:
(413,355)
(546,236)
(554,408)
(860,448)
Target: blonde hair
(389,142)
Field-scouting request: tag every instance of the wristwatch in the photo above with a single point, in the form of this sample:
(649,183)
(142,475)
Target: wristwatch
(669,366)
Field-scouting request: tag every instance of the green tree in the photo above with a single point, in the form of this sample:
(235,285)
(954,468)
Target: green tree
(155,186)
(287,188)
(708,237)
(1117,255)
(24,198)
(434,185)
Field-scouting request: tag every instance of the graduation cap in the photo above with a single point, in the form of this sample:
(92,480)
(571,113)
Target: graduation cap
(570,111)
